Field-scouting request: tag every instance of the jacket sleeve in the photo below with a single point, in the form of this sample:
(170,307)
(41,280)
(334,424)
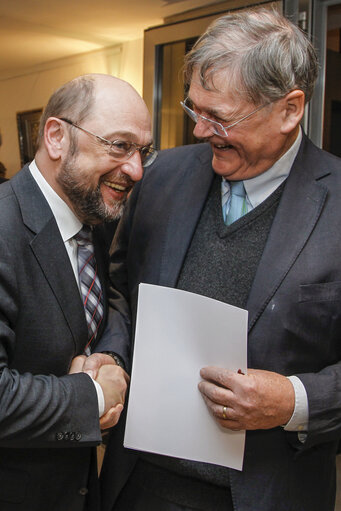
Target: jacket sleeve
(38,410)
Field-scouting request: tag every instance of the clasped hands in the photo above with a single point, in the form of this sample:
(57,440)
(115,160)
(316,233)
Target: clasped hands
(258,400)
(112,379)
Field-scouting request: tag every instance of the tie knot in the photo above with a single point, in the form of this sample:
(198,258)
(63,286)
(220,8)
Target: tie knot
(237,188)
(84,236)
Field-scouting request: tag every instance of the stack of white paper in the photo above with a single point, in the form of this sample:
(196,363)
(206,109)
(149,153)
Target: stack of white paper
(177,334)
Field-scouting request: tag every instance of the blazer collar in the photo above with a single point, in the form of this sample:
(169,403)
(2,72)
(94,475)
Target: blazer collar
(297,214)
(35,210)
(48,248)
(184,213)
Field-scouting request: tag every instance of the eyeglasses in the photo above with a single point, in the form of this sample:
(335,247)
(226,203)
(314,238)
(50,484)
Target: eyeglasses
(121,149)
(216,127)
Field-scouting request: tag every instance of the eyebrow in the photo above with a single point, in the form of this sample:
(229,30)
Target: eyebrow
(119,134)
(216,113)
(211,111)
(125,135)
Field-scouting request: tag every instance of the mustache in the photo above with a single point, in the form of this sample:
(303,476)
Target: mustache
(119,179)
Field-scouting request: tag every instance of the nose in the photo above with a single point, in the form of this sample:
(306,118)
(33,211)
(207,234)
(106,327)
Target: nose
(202,129)
(133,167)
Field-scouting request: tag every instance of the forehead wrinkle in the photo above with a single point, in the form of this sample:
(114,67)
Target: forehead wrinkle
(218,93)
(217,112)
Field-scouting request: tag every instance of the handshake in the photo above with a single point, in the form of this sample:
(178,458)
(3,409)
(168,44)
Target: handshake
(112,379)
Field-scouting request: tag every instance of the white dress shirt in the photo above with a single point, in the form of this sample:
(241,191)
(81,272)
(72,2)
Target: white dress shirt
(68,225)
(257,190)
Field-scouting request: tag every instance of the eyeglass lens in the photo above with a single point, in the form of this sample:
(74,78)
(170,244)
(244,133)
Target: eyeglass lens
(214,126)
(121,149)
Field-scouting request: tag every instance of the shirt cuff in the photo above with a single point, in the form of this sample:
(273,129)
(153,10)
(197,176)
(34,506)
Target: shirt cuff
(300,418)
(100,397)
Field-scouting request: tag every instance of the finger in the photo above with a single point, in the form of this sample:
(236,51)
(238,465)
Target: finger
(95,361)
(215,393)
(126,377)
(222,412)
(111,418)
(230,424)
(218,375)
(77,364)
(224,415)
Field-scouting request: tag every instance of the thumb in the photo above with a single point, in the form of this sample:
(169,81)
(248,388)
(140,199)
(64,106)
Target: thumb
(77,364)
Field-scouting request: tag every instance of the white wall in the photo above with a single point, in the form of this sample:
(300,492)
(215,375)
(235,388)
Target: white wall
(32,90)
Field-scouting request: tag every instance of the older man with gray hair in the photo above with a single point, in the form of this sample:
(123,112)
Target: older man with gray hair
(251,218)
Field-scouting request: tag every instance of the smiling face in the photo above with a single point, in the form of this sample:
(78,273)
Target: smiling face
(90,179)
(252,146)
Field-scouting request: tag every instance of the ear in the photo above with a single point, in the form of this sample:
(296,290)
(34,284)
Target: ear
(56,138)
(293,110)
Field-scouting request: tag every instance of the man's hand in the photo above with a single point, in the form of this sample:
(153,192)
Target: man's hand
(110,419)
(93,363)
(114,382)
(258,400)
(112,379)
(77,364)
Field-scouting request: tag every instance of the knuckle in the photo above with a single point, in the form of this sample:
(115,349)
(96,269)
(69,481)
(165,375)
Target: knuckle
(221,378)
(218,395)
(215,393)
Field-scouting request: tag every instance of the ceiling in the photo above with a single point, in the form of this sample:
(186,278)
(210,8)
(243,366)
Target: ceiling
(33,32)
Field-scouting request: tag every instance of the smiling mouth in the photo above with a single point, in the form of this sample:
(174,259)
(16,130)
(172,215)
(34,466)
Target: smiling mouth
(222,147)
(118,188)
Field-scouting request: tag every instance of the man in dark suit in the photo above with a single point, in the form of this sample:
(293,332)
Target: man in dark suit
(94,133)
(253,219)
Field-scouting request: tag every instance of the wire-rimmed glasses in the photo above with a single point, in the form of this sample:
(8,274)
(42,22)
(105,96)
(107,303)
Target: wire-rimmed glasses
(216,127)
(121,149)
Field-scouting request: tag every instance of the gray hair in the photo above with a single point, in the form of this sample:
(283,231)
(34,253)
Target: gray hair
(74,100)
(265,56)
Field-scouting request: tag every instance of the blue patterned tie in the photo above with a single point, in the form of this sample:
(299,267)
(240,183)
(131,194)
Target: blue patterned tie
(238,206)
(90,285)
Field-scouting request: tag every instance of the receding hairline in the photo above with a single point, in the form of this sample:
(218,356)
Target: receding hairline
(119,89)
(99,78)
(76,99)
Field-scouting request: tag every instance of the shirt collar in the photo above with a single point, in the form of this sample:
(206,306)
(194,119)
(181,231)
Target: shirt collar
(67,221)
(262,186)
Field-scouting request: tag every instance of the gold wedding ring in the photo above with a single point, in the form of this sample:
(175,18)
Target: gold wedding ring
(224,412)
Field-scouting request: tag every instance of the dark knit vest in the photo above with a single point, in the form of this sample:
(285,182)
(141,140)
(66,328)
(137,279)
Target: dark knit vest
(221,263)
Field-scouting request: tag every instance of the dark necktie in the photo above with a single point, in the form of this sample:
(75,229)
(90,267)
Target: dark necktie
(90,285)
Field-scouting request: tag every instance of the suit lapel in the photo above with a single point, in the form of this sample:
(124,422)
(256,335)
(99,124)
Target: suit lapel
(49,250)
(52,257)
(298,212)
(183,215)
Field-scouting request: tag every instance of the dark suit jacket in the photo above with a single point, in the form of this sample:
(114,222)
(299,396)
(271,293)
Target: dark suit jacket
(48,420)
(294,314)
